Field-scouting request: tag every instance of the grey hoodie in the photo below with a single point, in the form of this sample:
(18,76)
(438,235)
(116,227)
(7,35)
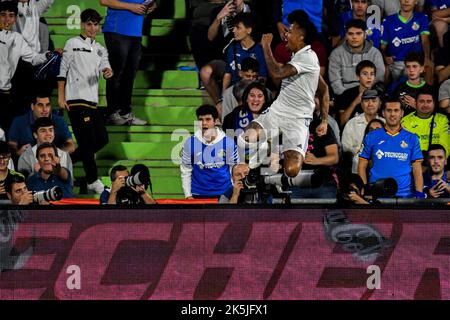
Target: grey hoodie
(342,66)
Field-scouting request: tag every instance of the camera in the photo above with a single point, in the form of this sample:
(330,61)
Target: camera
(53,194)
(383,188)
(137,179)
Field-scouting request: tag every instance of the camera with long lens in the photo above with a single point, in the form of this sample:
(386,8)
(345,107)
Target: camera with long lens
(53,194)
(139,178)
(383,188)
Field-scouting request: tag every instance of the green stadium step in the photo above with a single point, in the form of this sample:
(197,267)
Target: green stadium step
(142,137)
(140,150)
(155,172)
(150,99)
(170,79)
(157,28)
(65,8)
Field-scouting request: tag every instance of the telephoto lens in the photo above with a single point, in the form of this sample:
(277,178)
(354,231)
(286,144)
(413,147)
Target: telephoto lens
(137,179)
(53,194)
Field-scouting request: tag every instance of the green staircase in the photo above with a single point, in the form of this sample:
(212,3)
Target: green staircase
(164,95)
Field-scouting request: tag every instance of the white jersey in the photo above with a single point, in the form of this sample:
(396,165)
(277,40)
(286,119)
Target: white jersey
(27,22)
(12,48)
(296,98)
(82,63)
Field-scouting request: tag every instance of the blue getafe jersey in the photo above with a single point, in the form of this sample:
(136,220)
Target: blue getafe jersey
(373,34)
(402,37)
(439,4)
(392,155)
(210,165)
(312,7)
(124,22)
(255,52)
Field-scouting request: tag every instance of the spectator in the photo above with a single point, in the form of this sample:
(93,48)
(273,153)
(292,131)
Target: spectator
(243,46)
(14,48)
(20,136)
(2,135)
(353,133)
(426,123)
(321,157)
(394,153)
(349,103)
(444,97)
(238,174)
(255,101)
(51,172)
(407,92)
(435,181)
(202,49)
(28,21)
(5,172)
(123,34)
(343,59)
(120,193)
(78,84)
(390,7)
(249,71)
(220,33)
(402,33)
(359,11)
(207,157)
(442,60)
(17,191)
(232,97)
(43,131)
(440,15)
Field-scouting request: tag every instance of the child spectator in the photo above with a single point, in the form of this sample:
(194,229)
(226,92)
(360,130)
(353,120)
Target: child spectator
(349,103)
(404,32)
(243,46)
(407,92)
(83,62)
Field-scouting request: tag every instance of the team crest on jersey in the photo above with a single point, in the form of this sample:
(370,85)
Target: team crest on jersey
(99,53)
(404,145)
(415,26)
(433,124)
(369,32)
(222,153)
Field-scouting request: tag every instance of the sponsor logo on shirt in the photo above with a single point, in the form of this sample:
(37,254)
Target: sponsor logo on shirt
(397,42)
(398,29)
(381,142)
(401,156)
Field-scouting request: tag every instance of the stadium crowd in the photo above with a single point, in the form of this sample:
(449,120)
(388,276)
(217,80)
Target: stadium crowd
(353,87)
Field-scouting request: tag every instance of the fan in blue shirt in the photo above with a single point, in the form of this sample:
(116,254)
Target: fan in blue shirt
(394,153)
(207,157)
(399,36)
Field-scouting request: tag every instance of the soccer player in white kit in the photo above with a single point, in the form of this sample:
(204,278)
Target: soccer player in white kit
(292,111)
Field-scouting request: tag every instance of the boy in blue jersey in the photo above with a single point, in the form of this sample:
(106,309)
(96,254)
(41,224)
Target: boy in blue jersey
(207,157)
(440,14)
(123,33)
(394,153)
(402,33)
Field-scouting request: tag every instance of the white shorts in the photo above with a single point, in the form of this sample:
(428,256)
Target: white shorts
(295,130)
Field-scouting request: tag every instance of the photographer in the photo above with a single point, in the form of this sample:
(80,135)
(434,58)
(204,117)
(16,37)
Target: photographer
(351,190)
(123,189)
(18,193)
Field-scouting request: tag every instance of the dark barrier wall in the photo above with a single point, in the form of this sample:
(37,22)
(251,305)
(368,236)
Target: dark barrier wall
(214,253)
